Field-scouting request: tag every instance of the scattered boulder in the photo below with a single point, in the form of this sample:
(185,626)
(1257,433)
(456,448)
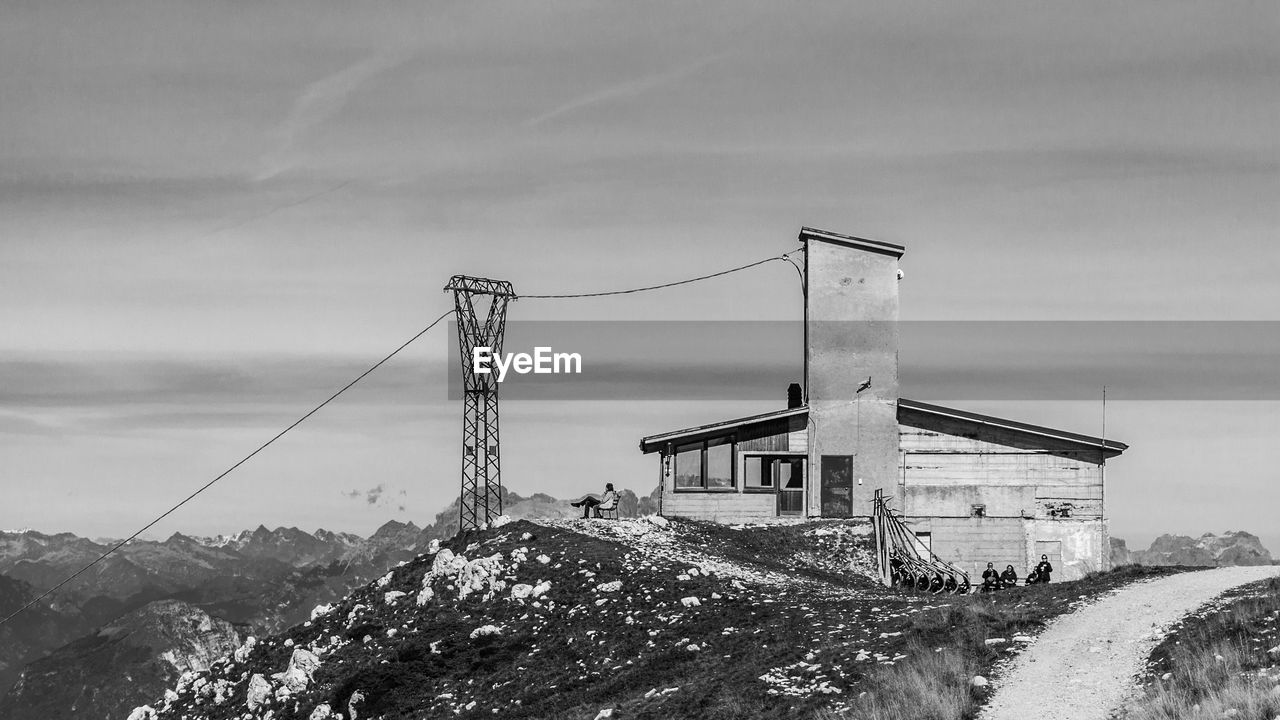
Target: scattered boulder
(979,682)
(302,665)
(259,690)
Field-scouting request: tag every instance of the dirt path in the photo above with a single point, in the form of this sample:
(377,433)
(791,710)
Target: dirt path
(1082,666)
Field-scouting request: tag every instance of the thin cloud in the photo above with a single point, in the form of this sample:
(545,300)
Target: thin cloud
(625,90)
(322,100)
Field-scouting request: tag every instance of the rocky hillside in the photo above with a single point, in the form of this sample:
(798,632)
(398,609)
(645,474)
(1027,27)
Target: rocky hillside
(263,580)
(642,618)
(1208,550)
(98,677)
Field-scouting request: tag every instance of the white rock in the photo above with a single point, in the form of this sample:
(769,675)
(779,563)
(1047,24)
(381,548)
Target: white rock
(543,559)
(302,665)
(979,682)
(657,520)
(391,596)
(259,689)
(690,602)
(433,547)
(357,697)
(146,712)
(1166,677)
(322,712)
(242,652)
(541,588)
(614,586)
(996,641)
(485,630)
(520,591)
(692,647)
(1023,638)
(500,521)
(605,713)
(384,581)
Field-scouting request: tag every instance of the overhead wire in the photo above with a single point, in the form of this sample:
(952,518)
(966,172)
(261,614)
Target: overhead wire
(785,257)
(114,548)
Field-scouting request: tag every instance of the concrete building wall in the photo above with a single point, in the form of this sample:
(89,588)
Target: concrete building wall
(851,314)
(1035,502)
(971,543)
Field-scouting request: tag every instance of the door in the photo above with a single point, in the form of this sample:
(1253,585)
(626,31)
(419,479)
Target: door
(837,486)
(790,484)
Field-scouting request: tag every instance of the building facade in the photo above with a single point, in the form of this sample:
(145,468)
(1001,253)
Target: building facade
(973,488)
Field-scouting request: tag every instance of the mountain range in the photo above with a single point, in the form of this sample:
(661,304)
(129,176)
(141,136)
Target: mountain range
(1209,550)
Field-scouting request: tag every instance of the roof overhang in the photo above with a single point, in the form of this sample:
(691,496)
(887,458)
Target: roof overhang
(1110,448)
(654,443)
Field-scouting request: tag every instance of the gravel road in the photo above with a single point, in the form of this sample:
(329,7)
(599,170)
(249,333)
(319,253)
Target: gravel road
(1082,666)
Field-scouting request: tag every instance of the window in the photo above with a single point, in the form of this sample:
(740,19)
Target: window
(689,466)
(766,473)
(706,465)
(720,464)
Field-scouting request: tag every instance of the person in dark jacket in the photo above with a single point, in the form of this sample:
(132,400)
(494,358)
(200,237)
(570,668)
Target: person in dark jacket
(990,578)
(1044,569)
(1009,578)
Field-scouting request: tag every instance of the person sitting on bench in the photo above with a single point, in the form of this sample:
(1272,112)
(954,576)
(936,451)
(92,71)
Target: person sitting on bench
(608,501)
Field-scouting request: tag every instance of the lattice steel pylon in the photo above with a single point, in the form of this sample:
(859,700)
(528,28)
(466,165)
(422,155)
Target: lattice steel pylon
(481,499)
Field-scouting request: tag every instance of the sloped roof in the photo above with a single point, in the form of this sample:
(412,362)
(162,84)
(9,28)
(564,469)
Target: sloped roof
(1111,448)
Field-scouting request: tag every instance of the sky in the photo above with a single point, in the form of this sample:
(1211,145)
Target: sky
(214,214)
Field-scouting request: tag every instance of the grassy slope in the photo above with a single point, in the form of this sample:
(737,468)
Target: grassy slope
(1219,660)
(795,631)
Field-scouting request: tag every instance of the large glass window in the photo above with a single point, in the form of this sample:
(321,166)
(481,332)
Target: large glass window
(719,464)
(689,466)
(758,473)
(706,465)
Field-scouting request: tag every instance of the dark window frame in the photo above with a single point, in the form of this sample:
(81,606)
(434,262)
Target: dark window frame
(773,457)
(703,445)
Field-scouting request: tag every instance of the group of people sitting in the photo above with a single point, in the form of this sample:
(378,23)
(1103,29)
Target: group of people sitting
(993,579)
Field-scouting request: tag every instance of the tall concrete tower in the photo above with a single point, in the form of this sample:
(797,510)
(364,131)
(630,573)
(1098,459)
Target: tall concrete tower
(851,370)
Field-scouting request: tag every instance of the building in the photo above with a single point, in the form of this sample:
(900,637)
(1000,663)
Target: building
(973,488)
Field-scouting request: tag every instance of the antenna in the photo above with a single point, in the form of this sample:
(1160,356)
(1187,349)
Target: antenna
(481,499)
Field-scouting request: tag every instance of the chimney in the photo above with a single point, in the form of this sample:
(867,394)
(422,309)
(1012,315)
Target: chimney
(851,370)
(795,396)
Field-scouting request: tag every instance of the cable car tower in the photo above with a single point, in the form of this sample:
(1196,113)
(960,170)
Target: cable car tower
(481,499)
